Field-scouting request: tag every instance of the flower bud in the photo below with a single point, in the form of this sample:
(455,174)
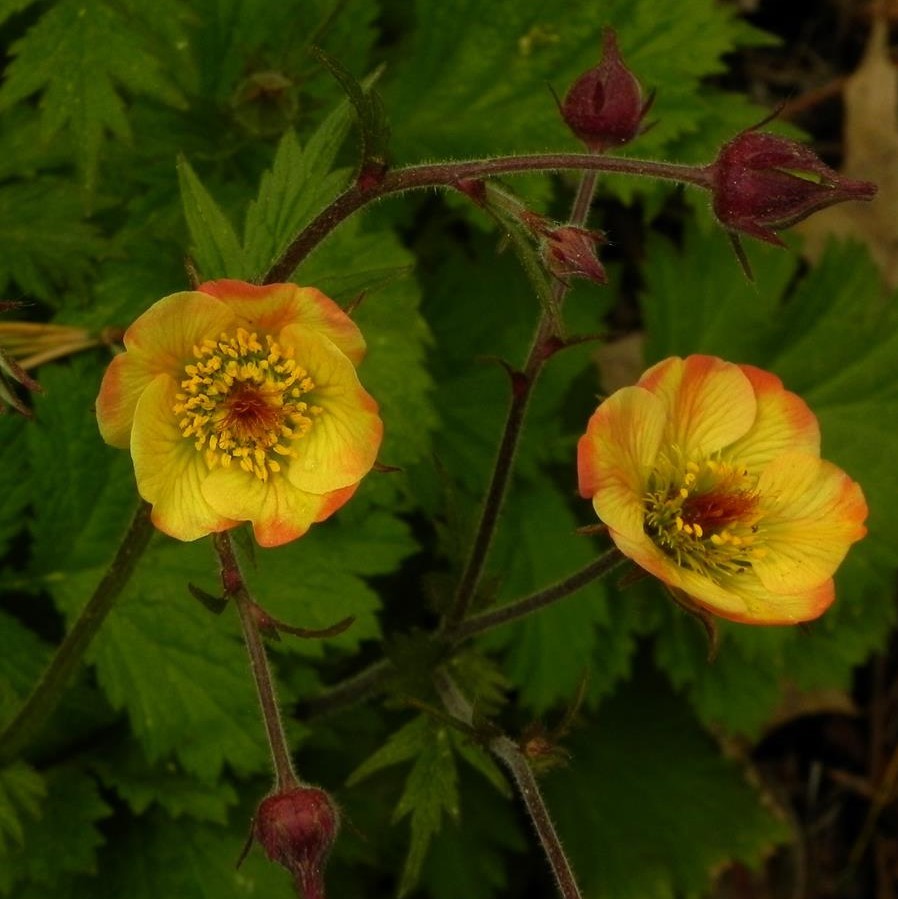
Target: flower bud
(605,106)
(762,183)
(567,250)
(297,829)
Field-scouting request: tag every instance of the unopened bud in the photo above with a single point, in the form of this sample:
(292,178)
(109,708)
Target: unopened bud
(605,106)
(763,183)
(297,828)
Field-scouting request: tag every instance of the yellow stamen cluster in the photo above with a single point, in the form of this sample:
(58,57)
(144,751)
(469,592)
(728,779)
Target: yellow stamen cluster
(241,402)
(704,513)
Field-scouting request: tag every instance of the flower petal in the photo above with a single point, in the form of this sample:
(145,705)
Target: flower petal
(273,307)
(168,331)
(342,444)
(813,512)
(710,403)
(125,379)
(758,605)
(784,423)
(161,341)
(278,511)
(616,456)
(170,472)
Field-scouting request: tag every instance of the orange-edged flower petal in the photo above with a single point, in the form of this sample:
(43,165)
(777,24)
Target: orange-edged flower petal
(124,381)
(278,511)
(616,455)
(342,444)
(169,330)
(169,470)
(813,513)
(711,403)
(755,604)
(784,423)
(273,307)
(159,342)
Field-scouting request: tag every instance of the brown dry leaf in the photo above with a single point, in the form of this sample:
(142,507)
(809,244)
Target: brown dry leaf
(798,703)
(871,154)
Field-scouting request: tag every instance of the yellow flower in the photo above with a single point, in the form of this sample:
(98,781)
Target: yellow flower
(708,475)
(241,403)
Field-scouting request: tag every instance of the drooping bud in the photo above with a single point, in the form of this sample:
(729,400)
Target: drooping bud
(297,828)
(605,106)
(568,251)
(762,183)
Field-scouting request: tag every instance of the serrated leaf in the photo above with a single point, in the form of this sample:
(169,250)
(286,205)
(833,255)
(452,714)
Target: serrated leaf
(180,673)
(215,249)
(48,247)
(403,744)
(471,856)
(21,793)
(142,785)
(87,495)
(299,184)
(431,790)
(63,840)
(649,808)
(548,653)
(80,55)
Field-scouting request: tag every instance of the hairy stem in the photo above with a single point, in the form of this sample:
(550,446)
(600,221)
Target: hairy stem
(508,752)
(235,588)
(544,344)
(416,177)
(29,720)
(486,621)
(373,678)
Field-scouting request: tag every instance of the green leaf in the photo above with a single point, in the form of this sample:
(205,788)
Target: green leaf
(142,785)
(180,672)
(549,653)
(48,248)
(154,856)
(21,793)
(430,787)
(15,485)
(63,840)
(215,249)
(80,55)
(87,495)
(471,856)
(649,808)
(431,791)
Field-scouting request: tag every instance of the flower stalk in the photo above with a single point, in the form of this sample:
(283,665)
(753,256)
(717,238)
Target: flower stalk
(235,589)
(508,752)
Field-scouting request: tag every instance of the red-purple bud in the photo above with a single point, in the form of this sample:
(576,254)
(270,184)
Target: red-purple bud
(570,252)
(762,183)
(297,829)
(605,106)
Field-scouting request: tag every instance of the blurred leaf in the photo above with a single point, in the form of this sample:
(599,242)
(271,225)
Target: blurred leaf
(141,785)
(22,791)
(648,807)
(63,840)
(48,247)
(155,856)
(471,856)
(80,55)
(15,484)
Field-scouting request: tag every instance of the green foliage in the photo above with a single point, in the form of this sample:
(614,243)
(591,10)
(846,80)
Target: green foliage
(80,55)
(670,789)
(136,138)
